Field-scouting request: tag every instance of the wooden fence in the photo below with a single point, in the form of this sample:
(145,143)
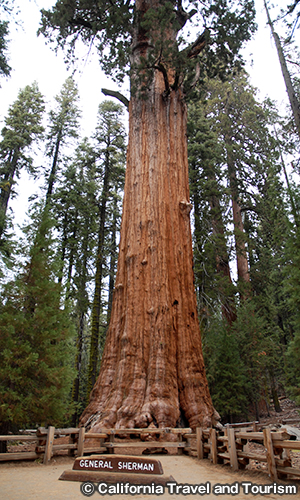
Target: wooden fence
(229,446)
(47,443)
(45,446)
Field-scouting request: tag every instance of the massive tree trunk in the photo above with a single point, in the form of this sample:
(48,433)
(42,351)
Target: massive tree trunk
(152,370)
(152,367)
(113,259)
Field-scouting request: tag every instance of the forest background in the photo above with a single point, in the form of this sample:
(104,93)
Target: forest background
(57,275)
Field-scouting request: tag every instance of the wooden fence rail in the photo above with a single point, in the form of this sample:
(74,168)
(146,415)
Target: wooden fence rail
(229,446)
(81,443)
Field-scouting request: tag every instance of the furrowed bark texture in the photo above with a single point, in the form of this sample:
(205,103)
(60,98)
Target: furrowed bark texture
(222,260)
(7,188)
(152,367)
(240,246)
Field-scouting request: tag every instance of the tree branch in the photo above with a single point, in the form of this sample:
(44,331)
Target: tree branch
(197,76)
(163,70)
(117,95)
(196,47)
(292,7)
(250,208)
(293,62)
(182,15)
(79,21)
(192,51)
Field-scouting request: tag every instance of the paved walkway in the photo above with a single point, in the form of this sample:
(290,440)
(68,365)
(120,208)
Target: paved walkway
(32,481)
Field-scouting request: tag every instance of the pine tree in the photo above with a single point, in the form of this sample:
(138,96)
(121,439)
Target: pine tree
(77,205)
(227,373)
(211,252)
(291,288)
(110,136)
(63,126)
(75,211)
(22,127)
(262,326)
(5,69)
(6,10)
(35,346)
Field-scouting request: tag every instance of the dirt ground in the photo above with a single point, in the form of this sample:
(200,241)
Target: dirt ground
(34,481)
(29,480)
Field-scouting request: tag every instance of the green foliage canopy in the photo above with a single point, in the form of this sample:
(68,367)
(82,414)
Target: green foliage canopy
(6,9)
(118,28)
(35,343)
(23,126)
(5,69)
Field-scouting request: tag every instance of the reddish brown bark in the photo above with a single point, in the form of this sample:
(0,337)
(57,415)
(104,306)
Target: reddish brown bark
(240,246)
(152,368)
(222,261)
(241,253)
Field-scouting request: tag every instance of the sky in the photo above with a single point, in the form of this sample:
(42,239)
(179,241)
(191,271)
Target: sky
(32,59)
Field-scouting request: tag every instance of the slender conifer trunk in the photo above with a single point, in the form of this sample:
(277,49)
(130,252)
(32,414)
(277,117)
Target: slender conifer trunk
(294,103)
(81,308)
(222,260)
(5,192)
(52,176)
(239,234)
(97,301)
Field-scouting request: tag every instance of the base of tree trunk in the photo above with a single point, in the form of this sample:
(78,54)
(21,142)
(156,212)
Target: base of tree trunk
(152,371)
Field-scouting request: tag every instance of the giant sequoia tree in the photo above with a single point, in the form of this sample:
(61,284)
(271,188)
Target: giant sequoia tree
(152,370)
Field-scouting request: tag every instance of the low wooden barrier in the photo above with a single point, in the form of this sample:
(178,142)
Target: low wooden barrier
(254,426)
(44,440)
(24,455)
(230,447)
(81,443)
(177,440)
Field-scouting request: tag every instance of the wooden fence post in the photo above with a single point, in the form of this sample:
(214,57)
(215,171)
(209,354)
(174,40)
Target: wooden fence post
(213,446)
(111,440)
(72,439)
(199,442)
(234,464)
(49,445)
(179,450)
(80,447)
(270,454)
